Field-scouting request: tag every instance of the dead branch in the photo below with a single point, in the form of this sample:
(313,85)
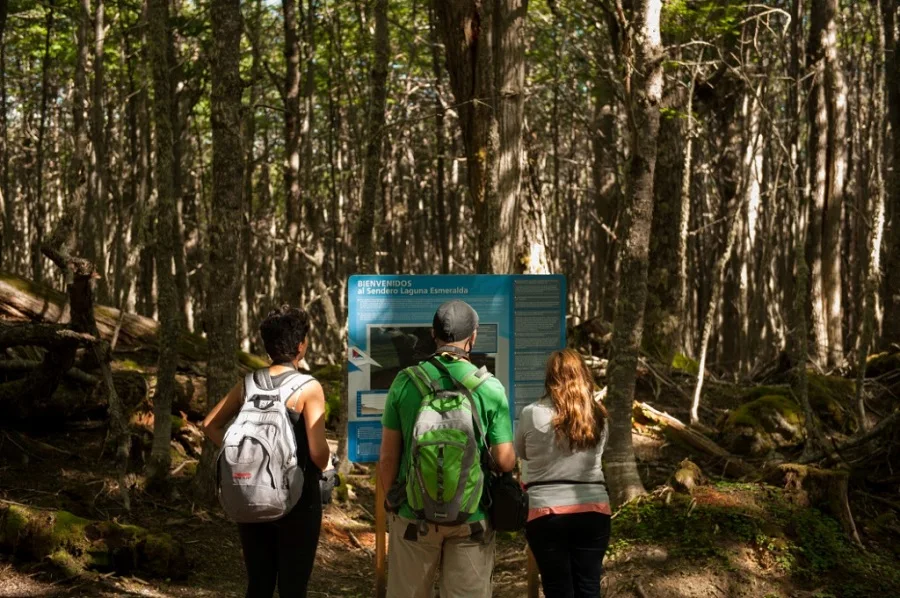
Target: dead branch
(733,466)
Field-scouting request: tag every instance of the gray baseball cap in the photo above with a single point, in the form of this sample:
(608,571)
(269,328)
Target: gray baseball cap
(454,321)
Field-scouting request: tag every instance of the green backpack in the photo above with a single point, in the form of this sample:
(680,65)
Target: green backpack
(445,479)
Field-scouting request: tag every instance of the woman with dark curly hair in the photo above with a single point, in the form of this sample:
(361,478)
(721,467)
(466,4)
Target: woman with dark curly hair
(282,552)
(560,439)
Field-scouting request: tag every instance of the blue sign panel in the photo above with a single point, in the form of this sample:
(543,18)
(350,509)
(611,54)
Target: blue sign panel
(522,319)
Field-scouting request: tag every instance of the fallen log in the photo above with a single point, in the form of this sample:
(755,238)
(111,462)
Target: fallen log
(76,544)
(22,299)
(677,431)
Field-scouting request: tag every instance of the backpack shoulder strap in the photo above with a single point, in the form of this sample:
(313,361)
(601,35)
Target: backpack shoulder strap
(422,380)
(291,384)
(466,392)
(475,378)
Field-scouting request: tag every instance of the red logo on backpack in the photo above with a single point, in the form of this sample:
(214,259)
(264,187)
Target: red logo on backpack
(242,475)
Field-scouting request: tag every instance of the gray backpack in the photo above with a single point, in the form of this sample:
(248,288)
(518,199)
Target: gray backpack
(258,476)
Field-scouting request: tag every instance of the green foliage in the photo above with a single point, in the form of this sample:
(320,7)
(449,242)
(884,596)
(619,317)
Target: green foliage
(685,20)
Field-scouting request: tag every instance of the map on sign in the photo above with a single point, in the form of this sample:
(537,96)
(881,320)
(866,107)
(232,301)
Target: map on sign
(522,319)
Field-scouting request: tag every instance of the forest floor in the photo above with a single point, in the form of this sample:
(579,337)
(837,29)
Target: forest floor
(726,540)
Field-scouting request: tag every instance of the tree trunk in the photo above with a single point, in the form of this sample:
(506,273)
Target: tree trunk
(818,160)
(225,220)
(5,199)
(661,318)
(644,80)
(509,72)
(836,99)
(485,58)
(606,199)
(875,216)
(892,82)
(440,145)
(157,39)
(365,257)
(97,213)
(40,202)
(291,97)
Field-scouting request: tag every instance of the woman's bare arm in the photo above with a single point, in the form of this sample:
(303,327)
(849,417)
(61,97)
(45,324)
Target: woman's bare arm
(312,398)
(216,421)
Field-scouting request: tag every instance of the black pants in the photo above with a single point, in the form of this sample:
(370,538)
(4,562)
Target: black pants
(569,551)
(282,551)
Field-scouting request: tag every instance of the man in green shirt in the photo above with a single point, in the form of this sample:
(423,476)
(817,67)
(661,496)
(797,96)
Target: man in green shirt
(465,552)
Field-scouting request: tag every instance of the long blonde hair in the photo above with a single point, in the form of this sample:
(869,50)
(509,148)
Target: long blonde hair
(570,385)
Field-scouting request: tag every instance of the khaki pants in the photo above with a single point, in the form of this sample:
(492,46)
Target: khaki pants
(466,563)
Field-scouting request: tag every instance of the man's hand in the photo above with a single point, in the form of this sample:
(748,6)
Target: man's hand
(389,459)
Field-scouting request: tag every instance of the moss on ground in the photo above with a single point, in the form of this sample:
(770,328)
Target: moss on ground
(683,363)
(752,413)
(803,543)
(882,363)
(75,544)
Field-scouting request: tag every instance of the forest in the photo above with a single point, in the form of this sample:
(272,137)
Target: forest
(718,180)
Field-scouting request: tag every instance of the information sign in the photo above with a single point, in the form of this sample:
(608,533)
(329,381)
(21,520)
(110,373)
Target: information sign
(522,319)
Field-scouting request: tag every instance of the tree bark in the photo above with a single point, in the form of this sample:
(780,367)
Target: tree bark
(509,72)
(5,198)
(40,203)
(440,145)
(365,257)
(818,163)
(94,239)
(485,48)
(606,199)
(644,81)
(157,39)
(875,217)
(889,11)
(225,224)
(291,98)
(661,318)
(836,98)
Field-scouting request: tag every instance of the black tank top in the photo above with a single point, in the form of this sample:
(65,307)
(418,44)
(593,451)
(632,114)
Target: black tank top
(311,473)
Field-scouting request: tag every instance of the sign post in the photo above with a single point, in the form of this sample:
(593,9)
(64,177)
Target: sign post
(380,539)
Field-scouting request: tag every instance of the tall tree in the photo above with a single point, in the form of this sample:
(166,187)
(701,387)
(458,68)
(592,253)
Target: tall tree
(5,199)
(485,58)
(291,97)
(365,262)
(225,218)
(891,19)
(169,316)
(836,98)
(40,202)
(643,55)
(828,162)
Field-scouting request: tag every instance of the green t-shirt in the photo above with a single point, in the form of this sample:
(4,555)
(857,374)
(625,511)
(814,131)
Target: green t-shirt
(403,403)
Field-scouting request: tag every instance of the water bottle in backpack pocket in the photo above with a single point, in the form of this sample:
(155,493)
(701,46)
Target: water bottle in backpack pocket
(259,478)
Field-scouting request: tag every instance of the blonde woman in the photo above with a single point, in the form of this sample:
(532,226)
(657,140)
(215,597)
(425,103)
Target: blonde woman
(560,439)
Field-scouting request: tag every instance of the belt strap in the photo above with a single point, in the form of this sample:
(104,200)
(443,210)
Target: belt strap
(563,482)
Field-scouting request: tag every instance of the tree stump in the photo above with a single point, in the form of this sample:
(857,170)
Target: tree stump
(824,489)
